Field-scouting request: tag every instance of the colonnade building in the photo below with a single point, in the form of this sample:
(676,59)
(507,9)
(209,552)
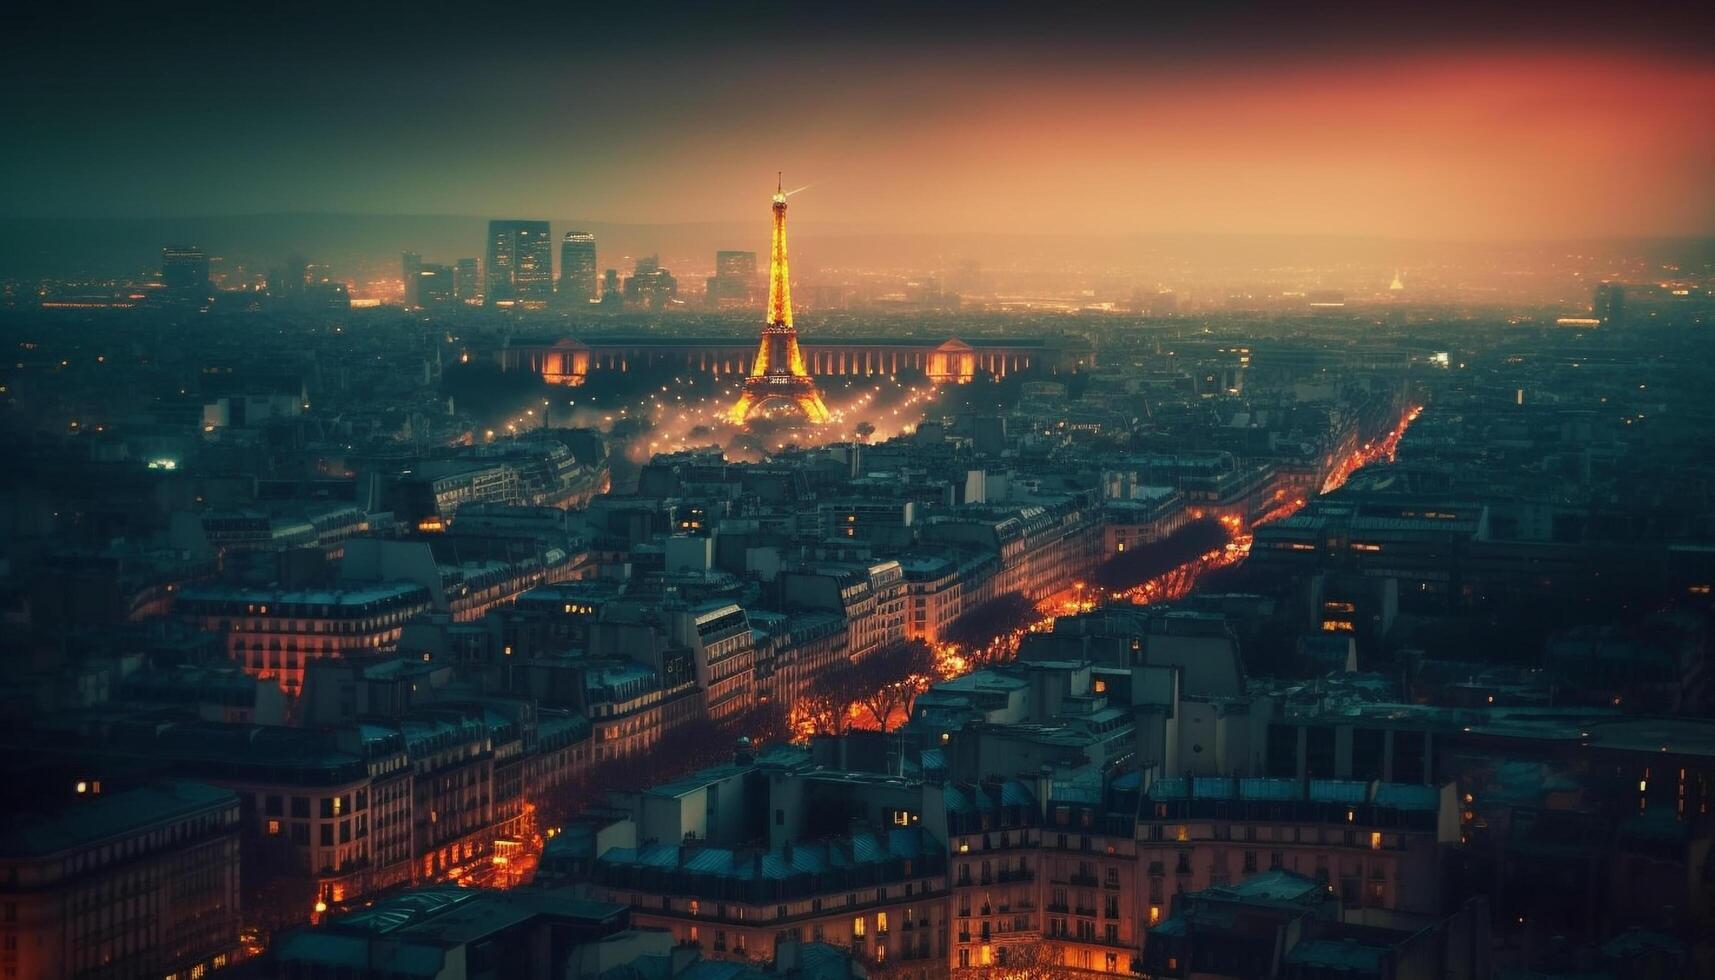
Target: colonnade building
(950,360)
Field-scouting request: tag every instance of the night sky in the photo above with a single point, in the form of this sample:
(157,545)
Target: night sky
(1450,122)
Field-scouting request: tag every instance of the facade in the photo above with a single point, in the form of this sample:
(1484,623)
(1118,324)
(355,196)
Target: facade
(578,270)
(270,634)
(520,265)
(133,883)
(1378,846)
(836,356)
(184,276)
(467,282)
(734,279)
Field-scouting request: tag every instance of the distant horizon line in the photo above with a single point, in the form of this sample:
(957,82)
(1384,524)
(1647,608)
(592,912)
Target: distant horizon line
(847,229)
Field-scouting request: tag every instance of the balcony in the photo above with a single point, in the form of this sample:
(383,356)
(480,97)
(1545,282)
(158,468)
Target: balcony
(1084,881)
(1080,910)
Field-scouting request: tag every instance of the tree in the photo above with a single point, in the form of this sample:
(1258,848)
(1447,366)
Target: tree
(827,703)
(977,628)
(1025,961)
(892,679)
(864,430)
(1139,565)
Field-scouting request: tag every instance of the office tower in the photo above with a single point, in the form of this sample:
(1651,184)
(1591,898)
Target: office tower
(778,373)
(184,275)
(735,276)
(520,265)
(650,285)
(1609,305)
(433,287)
(610,292)
(410,264)
(577,269)
(467,281)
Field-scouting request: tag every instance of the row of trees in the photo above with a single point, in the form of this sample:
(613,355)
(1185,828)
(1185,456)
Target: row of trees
(882,684)
(1139,565)
(692,745)
(976,628)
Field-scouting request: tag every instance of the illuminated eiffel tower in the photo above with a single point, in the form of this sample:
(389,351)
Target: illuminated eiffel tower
(778,373)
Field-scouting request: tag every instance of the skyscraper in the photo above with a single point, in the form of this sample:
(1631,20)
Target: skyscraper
(467,281)
(433,286)
(577,269)
(1609,304)
(735,276)
(410,263)
(520,264)
(184,275)
(650,285)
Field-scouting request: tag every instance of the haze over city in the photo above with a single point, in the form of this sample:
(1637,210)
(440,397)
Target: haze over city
(769,491)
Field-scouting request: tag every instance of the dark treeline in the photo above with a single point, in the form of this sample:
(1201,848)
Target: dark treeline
(976,627)
(1139,565)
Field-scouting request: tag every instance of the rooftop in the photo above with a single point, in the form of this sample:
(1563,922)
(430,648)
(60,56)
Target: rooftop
(37,833)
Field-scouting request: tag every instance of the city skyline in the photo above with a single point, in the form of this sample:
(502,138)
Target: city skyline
(1210,491)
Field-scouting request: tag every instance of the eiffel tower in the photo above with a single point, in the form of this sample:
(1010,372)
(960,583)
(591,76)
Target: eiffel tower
(778,373)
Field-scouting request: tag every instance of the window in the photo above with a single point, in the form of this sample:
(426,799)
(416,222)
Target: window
(881,923)
(857,927)
(273,828)
(327,835)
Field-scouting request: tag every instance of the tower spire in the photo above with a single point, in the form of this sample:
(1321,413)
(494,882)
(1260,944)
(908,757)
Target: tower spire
(779,372)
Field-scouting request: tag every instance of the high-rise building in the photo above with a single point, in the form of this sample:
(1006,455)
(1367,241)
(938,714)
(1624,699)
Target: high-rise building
(610,291)
(409,265)
(577,269)
(734,278)
(1609,305)
(184,275)
(433,286)
(520,264)
(467,281)
(650,285)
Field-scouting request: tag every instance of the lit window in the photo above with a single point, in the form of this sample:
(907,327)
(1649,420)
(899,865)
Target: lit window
(857,926)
